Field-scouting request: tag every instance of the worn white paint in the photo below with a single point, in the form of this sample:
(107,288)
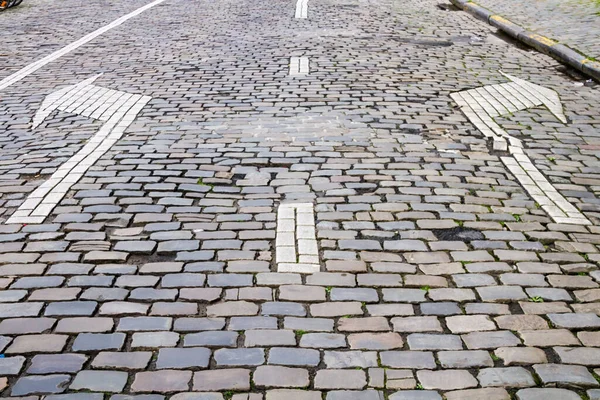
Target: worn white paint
(302,9)
(296,243)
(31,68)
(482,105)
(117,109)
(299,66)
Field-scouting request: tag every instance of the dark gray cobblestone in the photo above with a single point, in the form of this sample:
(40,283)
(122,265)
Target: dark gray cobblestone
(156,277)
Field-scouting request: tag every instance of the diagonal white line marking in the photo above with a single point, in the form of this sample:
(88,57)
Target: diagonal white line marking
(31,68)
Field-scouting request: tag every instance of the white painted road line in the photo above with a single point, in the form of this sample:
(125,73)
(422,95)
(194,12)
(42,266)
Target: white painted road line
(81,98)
(296,243)
(298,66)
(482,104)
(31,68)
(302,9)
(541,190)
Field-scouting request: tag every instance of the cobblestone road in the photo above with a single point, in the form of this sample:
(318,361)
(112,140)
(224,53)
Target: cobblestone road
(188,213)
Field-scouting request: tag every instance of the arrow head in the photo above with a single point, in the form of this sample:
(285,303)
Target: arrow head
(56,99)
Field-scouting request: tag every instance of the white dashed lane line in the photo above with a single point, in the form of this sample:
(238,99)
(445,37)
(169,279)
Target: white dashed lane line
(31,68)
(296,243)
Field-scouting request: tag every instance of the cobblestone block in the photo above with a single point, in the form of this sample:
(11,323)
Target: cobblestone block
(575,375)
(465,359)
(239,357)
(446,380)
(181,358)
(340,379)
(546,394)
(276,376)
(34,384)
(505,377)
(224,379)
(161,381)
(101,381)
(54,363)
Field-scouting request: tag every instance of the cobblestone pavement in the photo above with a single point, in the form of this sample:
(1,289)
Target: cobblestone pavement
(575,23)
(417,265)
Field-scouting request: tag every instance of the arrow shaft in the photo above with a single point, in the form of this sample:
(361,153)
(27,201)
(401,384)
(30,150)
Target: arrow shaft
(40,203)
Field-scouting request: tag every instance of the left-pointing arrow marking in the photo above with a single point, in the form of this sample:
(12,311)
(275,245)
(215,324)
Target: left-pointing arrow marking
(118,110)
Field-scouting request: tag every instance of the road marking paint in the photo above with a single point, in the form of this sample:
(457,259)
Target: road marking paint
(302,9)
(81,97)
(296,245)
(298,66)
(31,68)
(481,105)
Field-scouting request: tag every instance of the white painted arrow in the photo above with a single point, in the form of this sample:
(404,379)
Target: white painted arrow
(118,110)
(482,105)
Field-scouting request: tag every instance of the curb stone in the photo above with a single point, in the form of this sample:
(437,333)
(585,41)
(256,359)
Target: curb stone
(538,42)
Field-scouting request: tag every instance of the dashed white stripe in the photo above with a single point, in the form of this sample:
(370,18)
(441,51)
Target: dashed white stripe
(302,9)
(299,66)
(31,68)
(296,243)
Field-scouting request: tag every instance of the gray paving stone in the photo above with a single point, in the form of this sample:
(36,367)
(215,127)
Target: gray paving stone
(122,360)
(179,358)
(408,359)
(505,377)
(211,339)
(579,355)
(144,324)
(546,394)
(283,394)
(25,325)
(161,381)
(268,337)
(354,395)
(98,341)
(11,365)
(199,324)
(53,363)
(223,379)
(279,308)
(575,320)
(35,384)
(415,395)
(422,341)
(20,309)
(340,379)
(154,339)
(446,380)
(239,357)
(474,394)
(102,381)
(45,343)
(490,340)
(465,359)
(521,355)
(294,356)
(575,375)
(278,376)
(323,340)
(76,396)
(247,323)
